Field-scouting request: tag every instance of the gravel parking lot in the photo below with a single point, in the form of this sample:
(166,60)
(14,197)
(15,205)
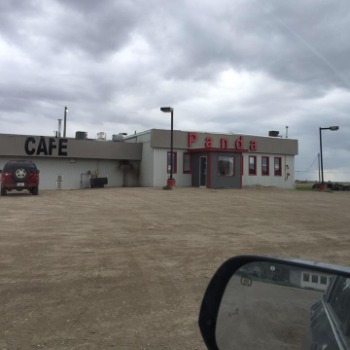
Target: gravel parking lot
(126,268)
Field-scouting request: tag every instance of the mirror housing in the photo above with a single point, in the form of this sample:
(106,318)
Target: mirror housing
(221,296)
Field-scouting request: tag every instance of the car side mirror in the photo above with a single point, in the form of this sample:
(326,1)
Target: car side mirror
(269,303)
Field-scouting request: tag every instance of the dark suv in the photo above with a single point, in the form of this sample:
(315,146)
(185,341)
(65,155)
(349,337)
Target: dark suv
(19,175)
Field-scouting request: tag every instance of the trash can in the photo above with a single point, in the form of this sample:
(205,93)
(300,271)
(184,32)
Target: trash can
(98,182)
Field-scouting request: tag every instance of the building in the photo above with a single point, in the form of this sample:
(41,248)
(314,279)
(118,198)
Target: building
(200,159)
(216,160)
(67,163)
(310,279)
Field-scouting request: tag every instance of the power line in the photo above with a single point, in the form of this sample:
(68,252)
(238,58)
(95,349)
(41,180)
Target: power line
(325,171)
(307,170)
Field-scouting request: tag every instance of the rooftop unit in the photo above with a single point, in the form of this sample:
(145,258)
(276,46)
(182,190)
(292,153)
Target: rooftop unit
(102,136)
(119,137)
(81,135)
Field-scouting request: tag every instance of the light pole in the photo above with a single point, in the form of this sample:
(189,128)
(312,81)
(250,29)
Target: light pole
(65,121)
(171,183)
(319,168)
(332,128)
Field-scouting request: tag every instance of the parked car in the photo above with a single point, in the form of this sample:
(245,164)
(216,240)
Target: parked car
(20,175)
(332,186)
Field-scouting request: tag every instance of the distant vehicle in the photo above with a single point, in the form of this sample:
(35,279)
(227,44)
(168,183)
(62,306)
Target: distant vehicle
(332,186)
(20,175)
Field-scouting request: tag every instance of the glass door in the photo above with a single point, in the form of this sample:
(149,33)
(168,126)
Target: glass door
(203,171)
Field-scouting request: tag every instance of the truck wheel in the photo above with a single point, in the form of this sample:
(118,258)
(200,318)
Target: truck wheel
(3,191)
(35,191)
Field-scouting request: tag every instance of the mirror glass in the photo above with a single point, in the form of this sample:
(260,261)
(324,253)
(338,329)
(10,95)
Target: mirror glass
(278,306)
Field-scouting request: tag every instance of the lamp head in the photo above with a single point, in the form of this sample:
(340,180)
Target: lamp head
(166,109)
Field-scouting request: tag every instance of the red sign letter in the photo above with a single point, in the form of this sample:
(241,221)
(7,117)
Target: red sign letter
(208,142)
(224,143)
(239,143)
(253,146)
(192,138)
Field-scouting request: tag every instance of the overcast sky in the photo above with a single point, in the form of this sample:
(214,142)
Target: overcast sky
(235,66)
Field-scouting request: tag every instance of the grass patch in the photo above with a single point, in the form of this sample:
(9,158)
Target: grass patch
(304,186)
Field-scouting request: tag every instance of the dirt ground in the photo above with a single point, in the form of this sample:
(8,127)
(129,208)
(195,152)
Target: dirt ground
(127,268)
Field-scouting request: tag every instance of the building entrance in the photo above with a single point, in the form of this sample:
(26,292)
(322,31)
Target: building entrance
(203,171)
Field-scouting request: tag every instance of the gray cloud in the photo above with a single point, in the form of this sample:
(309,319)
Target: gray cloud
(228,66)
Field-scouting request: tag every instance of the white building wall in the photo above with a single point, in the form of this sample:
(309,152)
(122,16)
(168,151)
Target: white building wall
(183,180)
(146,173)
(147,166)
(75,173)
(285,181)
(160,169)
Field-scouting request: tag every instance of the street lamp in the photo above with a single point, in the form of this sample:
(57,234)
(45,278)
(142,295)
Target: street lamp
(65,121)
(171,183)
(332,128)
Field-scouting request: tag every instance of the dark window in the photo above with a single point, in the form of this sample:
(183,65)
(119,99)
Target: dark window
(174,163)
(265,166)
(15,164)
(314,278)
(226,166)
(306,277)
(323,280)
(187,163)
(252,165)
(278,166)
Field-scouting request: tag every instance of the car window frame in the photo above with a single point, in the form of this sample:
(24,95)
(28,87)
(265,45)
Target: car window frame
(333,318)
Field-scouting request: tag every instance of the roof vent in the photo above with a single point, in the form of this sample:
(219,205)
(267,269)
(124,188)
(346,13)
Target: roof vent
(274,133)
(81,135)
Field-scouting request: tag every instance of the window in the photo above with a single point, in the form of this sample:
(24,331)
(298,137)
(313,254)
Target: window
(314,278)
(306,277)
(187,163)
(174,163)
(226,166)
(323,280)
(265,166)
(252,165)
(278,166)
